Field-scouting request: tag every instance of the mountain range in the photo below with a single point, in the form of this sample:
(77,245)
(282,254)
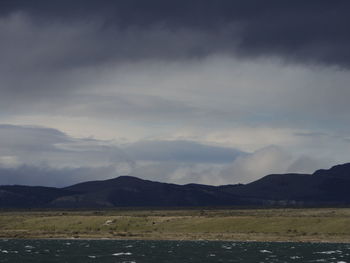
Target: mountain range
(329,187)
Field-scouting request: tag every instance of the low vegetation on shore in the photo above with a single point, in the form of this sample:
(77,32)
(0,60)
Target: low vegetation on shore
(318,224)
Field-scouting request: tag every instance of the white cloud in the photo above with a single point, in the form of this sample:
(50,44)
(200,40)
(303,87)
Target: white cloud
(268,160)
(308,165)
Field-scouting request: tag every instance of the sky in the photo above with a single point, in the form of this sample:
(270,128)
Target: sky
(185,91)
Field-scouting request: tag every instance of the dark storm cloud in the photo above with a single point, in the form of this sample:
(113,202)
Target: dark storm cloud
(314,31)
(52,49)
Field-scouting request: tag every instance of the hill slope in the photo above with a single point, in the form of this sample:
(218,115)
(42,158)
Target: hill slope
(324,187)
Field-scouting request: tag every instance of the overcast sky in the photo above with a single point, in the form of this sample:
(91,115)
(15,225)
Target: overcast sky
(213,92)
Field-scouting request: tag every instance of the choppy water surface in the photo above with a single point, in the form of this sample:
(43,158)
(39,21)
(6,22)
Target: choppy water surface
(169,251)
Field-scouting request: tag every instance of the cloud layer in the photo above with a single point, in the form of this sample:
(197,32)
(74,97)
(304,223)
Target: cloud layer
(178,91)
(314,31)
(42,156)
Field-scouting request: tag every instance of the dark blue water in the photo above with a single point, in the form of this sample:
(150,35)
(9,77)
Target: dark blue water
(77,251)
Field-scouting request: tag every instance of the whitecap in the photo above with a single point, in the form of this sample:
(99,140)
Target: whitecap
(4,251)
(265,251)
(29,247)
(92,256)
(122,254)
(329,252)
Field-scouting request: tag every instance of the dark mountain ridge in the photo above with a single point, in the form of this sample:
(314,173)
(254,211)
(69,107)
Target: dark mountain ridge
(323,187)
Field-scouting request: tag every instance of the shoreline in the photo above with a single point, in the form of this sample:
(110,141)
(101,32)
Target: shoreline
(214,237)
(178,240)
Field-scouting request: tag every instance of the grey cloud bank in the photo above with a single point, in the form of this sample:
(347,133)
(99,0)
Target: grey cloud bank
(181,151)
(56,147)
(43,156)
(37,155)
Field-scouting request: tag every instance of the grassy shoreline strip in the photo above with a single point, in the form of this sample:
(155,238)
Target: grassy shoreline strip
(297,225)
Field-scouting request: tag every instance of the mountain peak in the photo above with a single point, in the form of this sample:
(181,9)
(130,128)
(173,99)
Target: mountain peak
(341,171)
(127,178)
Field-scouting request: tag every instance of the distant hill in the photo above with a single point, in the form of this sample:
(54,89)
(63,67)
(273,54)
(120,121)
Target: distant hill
(323,187)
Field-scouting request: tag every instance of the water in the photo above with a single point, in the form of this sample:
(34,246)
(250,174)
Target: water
(77,251)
